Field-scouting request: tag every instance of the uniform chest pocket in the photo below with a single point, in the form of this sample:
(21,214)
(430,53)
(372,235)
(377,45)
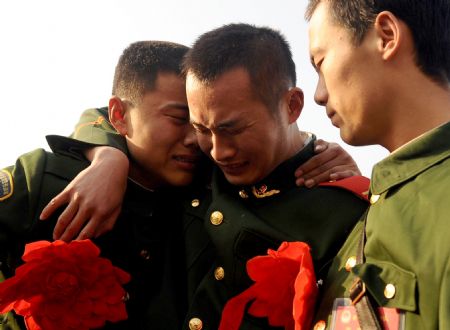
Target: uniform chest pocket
(249,244)
(390,285)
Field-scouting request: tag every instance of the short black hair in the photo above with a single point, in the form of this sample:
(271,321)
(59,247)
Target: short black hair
(141,62)
(428,21)
(261,51)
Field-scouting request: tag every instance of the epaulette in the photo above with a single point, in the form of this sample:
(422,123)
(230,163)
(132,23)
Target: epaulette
(359,185)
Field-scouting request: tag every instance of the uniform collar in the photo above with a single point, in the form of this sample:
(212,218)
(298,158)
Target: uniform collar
(281,179)
(411,159)
(144,201)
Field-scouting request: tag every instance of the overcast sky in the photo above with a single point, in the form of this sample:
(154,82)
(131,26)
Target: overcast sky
(57,58)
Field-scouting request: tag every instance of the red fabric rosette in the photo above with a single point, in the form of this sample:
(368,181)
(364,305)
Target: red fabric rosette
(65,286)
(284,291)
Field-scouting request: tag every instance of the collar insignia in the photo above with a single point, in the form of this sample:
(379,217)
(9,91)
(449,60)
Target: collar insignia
(262,191)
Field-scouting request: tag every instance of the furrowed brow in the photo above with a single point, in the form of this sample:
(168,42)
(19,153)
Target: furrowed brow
(228,124)
(175,105)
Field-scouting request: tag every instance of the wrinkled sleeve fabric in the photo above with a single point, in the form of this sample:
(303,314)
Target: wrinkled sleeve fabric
(27,187)
(16,209)
(444,303)
(93,129)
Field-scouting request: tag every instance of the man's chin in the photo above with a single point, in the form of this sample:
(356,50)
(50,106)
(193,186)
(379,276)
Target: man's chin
(181,180)
(239,180)
(355,139)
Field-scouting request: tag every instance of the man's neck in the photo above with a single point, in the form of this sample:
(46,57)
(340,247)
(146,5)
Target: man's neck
(296,141)
(141,178)
(419,109)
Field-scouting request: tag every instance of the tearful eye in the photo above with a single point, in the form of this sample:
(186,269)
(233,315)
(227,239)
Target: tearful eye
(200,129)
(180,119)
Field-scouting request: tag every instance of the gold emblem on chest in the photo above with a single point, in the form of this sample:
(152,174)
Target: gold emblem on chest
(263,191)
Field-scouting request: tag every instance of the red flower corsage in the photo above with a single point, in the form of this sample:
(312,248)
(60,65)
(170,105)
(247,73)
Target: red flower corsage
(65,286)
(284,290)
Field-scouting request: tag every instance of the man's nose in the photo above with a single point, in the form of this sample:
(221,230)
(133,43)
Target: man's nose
(321,94)
(190,139)
(222,148)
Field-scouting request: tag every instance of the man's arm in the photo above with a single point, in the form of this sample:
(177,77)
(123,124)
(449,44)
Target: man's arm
(94,198)
(444,299)
(95,139)
(85,195)
(15,221)
(25,188)
(330,163)
(93,129)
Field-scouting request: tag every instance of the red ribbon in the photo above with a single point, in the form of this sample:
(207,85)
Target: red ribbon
(284,291)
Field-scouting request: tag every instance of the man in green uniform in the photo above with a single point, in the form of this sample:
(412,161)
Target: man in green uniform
(244,105)
(384,74)
(148,106)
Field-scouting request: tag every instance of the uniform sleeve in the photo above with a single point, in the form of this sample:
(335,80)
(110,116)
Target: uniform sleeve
(444,299)
(19,194)
(18,199)
(93,129)
(26,188)
(14,218)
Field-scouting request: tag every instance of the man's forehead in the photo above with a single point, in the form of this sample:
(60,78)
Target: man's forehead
(192,81)
(166,79)
(319,35)
(319,17)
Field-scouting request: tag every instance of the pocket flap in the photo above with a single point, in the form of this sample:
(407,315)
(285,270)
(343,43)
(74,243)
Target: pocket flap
(390,285)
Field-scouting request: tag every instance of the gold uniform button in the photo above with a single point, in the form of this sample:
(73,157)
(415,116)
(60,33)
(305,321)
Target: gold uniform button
(243,194)
(195,203)
(195,324)
(351,262)
(389,291)
(320,325)
(144,254)
(216,218)
(374,199)
(219,273)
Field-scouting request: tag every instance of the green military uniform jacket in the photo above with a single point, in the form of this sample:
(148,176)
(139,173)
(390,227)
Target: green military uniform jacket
(407,250)
(321,216)
(146,240)
(243,224)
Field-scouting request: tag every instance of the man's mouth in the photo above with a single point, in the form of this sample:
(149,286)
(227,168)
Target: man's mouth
(187,161)
(233,168)
(332,115)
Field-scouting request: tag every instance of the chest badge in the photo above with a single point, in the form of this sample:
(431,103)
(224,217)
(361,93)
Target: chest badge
(262,191)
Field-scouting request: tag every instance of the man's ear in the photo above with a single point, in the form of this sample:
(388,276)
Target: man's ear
(116,112)
(295,104)
(390,32)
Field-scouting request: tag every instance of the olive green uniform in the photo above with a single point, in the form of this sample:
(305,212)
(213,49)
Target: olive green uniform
(243,222)
(242,226)
(146,240)
(407,250)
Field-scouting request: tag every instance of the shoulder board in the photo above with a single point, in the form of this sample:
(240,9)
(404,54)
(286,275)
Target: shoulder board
(6,185)
(359,185)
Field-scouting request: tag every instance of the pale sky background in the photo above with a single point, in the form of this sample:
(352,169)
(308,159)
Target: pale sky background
(58,57)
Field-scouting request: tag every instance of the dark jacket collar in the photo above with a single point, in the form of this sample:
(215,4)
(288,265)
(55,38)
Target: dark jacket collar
(281,179)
